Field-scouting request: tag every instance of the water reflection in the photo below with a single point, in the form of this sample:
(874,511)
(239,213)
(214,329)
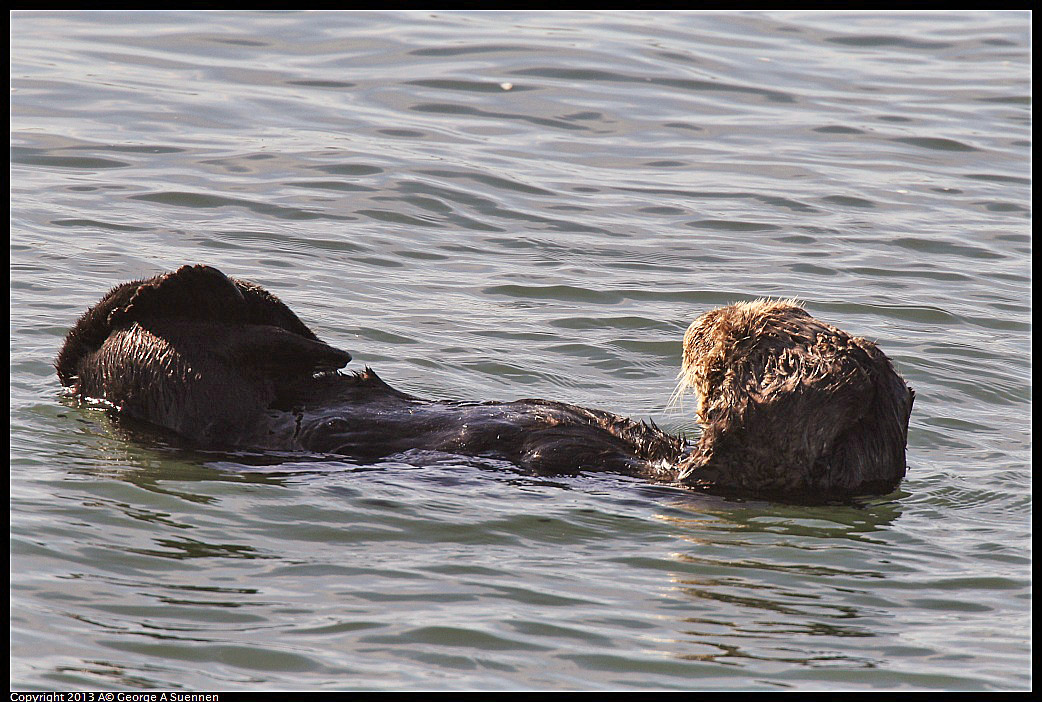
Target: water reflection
(774,580)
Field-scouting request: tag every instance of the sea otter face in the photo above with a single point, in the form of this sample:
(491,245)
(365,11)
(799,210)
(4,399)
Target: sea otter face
(716,342)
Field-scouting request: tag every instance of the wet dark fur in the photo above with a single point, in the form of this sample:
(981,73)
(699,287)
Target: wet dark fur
(193,351)
(792,408)
(790,405)
(226,364)
(361,416)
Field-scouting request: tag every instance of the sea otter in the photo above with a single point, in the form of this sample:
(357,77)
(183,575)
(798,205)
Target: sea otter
(791,407)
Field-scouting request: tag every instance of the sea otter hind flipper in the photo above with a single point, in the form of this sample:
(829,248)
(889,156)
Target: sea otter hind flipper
(277,352)
(91,330)
(198,292)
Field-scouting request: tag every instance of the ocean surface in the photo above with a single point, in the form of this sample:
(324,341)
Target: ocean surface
(525,204)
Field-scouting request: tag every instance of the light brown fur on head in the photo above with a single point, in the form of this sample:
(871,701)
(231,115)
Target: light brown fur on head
(790,404)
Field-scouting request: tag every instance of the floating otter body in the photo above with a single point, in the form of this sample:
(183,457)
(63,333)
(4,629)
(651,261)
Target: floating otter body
(792,408)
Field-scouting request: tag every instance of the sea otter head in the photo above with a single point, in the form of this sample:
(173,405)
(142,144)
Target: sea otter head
(790,405)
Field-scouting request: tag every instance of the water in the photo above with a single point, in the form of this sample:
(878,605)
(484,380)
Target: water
(503,205)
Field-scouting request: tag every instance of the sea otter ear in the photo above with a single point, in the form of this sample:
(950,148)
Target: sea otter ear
(201,293)
(273,351)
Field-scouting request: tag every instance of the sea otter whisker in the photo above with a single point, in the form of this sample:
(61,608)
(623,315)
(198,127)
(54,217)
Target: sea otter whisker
(676,398)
